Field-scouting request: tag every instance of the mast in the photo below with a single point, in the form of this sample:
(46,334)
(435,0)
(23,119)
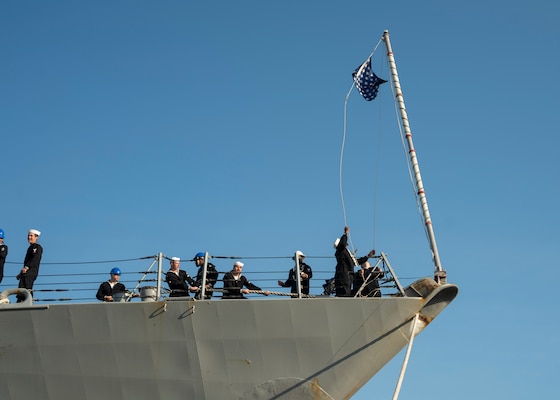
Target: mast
(440,274)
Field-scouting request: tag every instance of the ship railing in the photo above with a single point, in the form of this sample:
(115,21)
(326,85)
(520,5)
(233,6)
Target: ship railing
(144,277)
(158,260)
(390,277)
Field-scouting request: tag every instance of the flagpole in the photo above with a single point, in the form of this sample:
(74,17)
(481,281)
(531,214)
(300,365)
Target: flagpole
(440,274)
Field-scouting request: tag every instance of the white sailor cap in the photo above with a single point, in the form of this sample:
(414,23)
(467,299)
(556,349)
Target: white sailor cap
(175,259)
(238,264)
(34,232)
(299,254)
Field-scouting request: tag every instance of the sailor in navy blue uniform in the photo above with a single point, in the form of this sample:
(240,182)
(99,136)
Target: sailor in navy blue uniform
(366,281)
(211,275)
(235,281)
(108,288)
(179,281)
(31,263)
(3,253)
(305,274)
(345,263)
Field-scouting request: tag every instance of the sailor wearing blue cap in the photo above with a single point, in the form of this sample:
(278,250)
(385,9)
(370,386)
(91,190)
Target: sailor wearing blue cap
(211,276)
(108,288)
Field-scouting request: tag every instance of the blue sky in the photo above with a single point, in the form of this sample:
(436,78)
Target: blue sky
(135,127)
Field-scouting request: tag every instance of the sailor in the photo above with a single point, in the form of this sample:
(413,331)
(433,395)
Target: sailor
(234,281)
(179,281)
(345,263)
(3,253)
(305,273)
(211,275)
(30,269)
(366,281)
(108,288)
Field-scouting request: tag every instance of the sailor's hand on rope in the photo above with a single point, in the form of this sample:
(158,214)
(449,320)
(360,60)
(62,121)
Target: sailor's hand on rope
(194,289)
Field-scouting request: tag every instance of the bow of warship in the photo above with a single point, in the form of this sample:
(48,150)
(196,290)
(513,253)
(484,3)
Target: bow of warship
(321,348)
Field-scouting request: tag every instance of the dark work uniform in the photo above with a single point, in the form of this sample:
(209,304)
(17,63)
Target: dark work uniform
(232,286)
(292,278)
(105,289)
(179,284)
(371,276)
(3,255)
(32,261)
(211,279)
(345,263)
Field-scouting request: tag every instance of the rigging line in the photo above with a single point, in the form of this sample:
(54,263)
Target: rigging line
(377,171)
(344,141)
(87,262)
(342,152)
(377,164)
(353,252)
(250,257)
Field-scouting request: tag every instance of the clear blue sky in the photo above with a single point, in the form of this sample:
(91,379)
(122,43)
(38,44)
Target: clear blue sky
(133,127)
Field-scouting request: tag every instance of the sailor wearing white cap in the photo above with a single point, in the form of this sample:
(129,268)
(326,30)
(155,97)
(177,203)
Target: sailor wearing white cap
(234,282)
(31,262)
(345,263)
(179,281)
(305,274)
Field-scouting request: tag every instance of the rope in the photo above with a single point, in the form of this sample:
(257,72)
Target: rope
(268,292)
(88,262)
(343,144)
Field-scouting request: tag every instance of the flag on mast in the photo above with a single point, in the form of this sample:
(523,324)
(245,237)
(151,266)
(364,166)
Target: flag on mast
(366,81)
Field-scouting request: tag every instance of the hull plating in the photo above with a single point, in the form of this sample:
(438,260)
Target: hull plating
(219,349)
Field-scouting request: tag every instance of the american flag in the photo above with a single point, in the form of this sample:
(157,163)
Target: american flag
(366,81)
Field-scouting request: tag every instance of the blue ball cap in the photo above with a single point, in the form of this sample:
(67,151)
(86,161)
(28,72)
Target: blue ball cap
(115,271)
(2,236)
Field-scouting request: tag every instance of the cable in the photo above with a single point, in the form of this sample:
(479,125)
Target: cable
(344,142)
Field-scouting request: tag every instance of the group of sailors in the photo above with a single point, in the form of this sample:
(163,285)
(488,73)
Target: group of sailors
(348,283)
(31,262)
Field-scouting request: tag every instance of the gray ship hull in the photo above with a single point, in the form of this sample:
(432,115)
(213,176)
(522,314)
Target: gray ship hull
(318,348)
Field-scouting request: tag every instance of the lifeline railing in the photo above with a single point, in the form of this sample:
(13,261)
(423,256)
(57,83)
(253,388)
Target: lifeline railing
(70,281)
